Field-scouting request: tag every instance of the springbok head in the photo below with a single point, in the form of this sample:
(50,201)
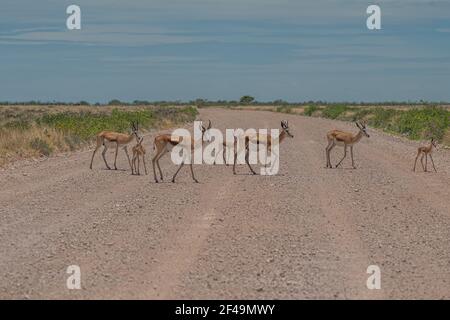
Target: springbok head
(135,129)
(285,127)
(362,127)
(434,143)
(205,134)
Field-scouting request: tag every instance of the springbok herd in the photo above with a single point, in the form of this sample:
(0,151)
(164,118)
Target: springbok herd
(164,143)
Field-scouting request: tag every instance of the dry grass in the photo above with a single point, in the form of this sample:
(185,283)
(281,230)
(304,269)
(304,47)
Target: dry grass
(446,139)
(34,142)
(36,131)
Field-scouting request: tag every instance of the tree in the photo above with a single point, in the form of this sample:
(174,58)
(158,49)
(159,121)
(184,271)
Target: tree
(200,102)
(280,102)
(115,102)
(247,99)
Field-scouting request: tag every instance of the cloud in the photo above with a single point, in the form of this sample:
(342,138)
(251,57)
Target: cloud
(137,22)
(103,35)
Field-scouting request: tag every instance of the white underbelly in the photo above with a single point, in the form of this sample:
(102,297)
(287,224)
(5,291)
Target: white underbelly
(113,144)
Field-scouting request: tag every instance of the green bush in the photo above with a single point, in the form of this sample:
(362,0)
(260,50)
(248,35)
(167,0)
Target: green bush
(247,100)
(334,111)
(424,123)
(361,113)
(190,111)
(309,110)
(85,125)
(383,118)
(416,123)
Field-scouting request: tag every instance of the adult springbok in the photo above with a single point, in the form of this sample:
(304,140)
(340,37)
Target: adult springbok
(164,143)
(260,140)
(344,139)
(426,151)
(114,139)
(225,148)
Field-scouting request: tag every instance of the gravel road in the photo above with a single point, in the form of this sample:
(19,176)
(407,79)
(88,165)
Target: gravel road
(306,233)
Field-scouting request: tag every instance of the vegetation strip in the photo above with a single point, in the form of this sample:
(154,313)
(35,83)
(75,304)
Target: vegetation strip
(424,122)
(41,131)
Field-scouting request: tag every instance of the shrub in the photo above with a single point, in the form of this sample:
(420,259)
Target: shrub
(73,142)
(247,100)
(361,113)
(309,110)
(424,123)
(334,111)
(383,118)
(86,124)
(27,132)
(284,109)
(115,102)
(18,124)
(41,146)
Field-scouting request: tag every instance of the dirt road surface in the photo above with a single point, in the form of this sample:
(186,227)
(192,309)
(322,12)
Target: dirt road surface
(306,233)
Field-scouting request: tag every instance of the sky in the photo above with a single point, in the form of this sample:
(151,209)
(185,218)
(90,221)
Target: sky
(295,50)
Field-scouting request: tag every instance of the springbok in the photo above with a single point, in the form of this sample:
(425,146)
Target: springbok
(115,139)
(138,152)
(164,143)
(260,139)
(225,148)
(344,139)
(426,151)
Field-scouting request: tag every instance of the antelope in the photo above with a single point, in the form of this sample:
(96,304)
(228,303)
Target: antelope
(260,139)
(138,152)
(225,147)
(115,139)
(426,151)
(344,139)
(164,143)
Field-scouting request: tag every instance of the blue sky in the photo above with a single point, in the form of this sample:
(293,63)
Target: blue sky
(223,49)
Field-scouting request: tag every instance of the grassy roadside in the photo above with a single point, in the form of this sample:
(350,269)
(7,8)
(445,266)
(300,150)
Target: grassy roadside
(34,131)
(415,123)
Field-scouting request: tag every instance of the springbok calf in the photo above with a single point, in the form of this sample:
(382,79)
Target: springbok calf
(164,143)
(426,151)
(344,139)
(138,152)
(114,139)
(260,139)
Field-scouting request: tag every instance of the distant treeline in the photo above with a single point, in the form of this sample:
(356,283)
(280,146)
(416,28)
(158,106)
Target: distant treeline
(245,100)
